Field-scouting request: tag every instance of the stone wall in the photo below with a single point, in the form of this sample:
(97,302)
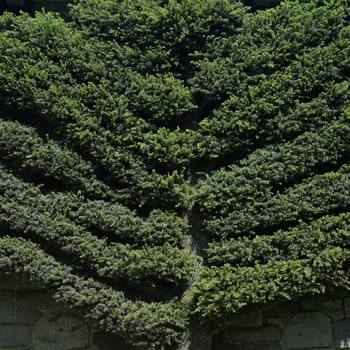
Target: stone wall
(318,323)
(31,320)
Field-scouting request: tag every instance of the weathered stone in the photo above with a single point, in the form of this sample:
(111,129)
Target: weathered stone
(60,332)
(261,347)
(264,335)
(257,346)
(106,341)
(342,334)
(247,320)
(347,307)
(14,335)
(337,316)
(222,345)
(16,348)
(284,310)
(276,321)
(37,300)
(28,317)
(7,311)
(6,293)
(321,303)
(308,330)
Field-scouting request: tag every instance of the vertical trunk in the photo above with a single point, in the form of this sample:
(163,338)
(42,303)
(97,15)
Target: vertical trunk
(198,336)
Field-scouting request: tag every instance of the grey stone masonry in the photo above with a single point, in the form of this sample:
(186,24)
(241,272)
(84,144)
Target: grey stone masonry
(342,334)
(31,320)
(14,335)
(347,307)
(310,323)
(60,332)
(7,314)
(266,334)
(309,330)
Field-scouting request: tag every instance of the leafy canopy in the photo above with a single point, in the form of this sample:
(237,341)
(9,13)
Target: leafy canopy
(168,159)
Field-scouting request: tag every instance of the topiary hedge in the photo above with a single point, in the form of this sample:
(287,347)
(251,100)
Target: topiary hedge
(164,164)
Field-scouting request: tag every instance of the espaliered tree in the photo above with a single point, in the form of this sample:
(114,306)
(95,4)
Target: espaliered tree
(166,163)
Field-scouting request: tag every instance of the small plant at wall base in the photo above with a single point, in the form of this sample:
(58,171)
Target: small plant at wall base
(165,164)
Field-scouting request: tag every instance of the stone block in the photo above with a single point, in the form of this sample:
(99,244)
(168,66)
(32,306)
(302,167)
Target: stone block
(261,347)
(7,311)
(25,348)
(108,341)
(60,332)
(28,317)
(347,307)
(308,330)
(257,346)
(225,346)
(14,335)
(221,341)
(7,293)
(37,300)
(341,331)
(283,310)
(321,303)
(260,335)
(276,321)
(337,316)
(247,320)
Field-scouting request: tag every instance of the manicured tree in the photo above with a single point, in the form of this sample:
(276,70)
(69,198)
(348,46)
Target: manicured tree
(165,164)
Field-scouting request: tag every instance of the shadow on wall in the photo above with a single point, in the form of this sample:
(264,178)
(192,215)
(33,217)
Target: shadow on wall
(30,319)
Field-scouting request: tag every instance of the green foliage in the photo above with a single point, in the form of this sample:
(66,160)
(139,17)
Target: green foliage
(303,201)
(224,290)
(146,324)
(276,79)
(256,177)
(133,132)
(325,233)
(22,146)
(24,209)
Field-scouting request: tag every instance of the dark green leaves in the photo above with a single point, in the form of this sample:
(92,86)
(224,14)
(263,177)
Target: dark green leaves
(137,135)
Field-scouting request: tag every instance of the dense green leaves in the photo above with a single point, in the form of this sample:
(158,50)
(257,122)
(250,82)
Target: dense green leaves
(256,177)
(24,209)
(326,232)
(304,201)
(146,324)
(171,146)
(23,147)
(225,290)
